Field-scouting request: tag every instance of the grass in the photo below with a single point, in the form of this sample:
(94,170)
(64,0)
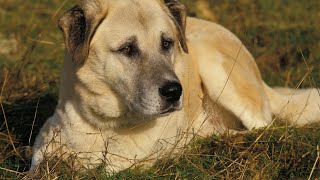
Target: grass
(282,35)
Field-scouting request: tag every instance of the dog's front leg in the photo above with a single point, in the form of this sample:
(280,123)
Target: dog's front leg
(47,144)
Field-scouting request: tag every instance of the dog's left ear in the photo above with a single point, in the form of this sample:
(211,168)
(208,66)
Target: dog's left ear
(179,14)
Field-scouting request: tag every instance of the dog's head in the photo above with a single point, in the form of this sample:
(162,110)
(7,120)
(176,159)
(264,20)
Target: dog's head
(131,47)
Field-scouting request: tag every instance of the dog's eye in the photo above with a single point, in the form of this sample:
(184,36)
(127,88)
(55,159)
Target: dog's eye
(126,50)
(129,50)
(167,44)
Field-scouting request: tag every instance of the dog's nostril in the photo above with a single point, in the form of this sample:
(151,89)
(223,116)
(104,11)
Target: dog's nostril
(171,91)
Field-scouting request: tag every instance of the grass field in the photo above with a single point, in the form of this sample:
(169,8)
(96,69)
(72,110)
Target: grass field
(283,36)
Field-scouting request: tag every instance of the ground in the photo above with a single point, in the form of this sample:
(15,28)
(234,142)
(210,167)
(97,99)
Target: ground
(283,36)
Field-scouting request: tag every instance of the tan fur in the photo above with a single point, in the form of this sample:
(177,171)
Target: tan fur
(110,110)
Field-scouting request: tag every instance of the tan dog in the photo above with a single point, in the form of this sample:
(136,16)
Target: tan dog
(140,79)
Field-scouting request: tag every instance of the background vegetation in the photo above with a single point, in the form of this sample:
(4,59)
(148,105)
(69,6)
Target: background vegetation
(282,35)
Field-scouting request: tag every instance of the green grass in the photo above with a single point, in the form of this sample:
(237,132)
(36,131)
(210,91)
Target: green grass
(282,35)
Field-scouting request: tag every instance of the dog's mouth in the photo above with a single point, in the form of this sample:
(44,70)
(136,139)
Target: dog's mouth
(171,109)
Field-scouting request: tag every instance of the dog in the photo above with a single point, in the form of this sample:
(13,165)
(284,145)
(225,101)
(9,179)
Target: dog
(140,79)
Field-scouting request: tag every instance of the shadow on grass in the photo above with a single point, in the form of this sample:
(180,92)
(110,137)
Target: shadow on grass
(24,119)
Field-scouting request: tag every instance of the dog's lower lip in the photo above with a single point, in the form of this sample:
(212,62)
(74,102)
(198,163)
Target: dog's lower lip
(169,110)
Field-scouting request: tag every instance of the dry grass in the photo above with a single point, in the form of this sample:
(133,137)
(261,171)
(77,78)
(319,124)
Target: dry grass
(283,36)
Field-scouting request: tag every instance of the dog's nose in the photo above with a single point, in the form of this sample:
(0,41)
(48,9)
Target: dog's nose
(171,91)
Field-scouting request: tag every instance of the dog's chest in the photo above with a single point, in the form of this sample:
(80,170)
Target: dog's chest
(126,146)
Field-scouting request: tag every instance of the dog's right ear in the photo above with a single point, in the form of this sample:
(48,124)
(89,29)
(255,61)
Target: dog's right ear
(78,26)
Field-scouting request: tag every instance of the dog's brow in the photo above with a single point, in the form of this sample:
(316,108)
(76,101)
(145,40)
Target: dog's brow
(165,35)
(129,40)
